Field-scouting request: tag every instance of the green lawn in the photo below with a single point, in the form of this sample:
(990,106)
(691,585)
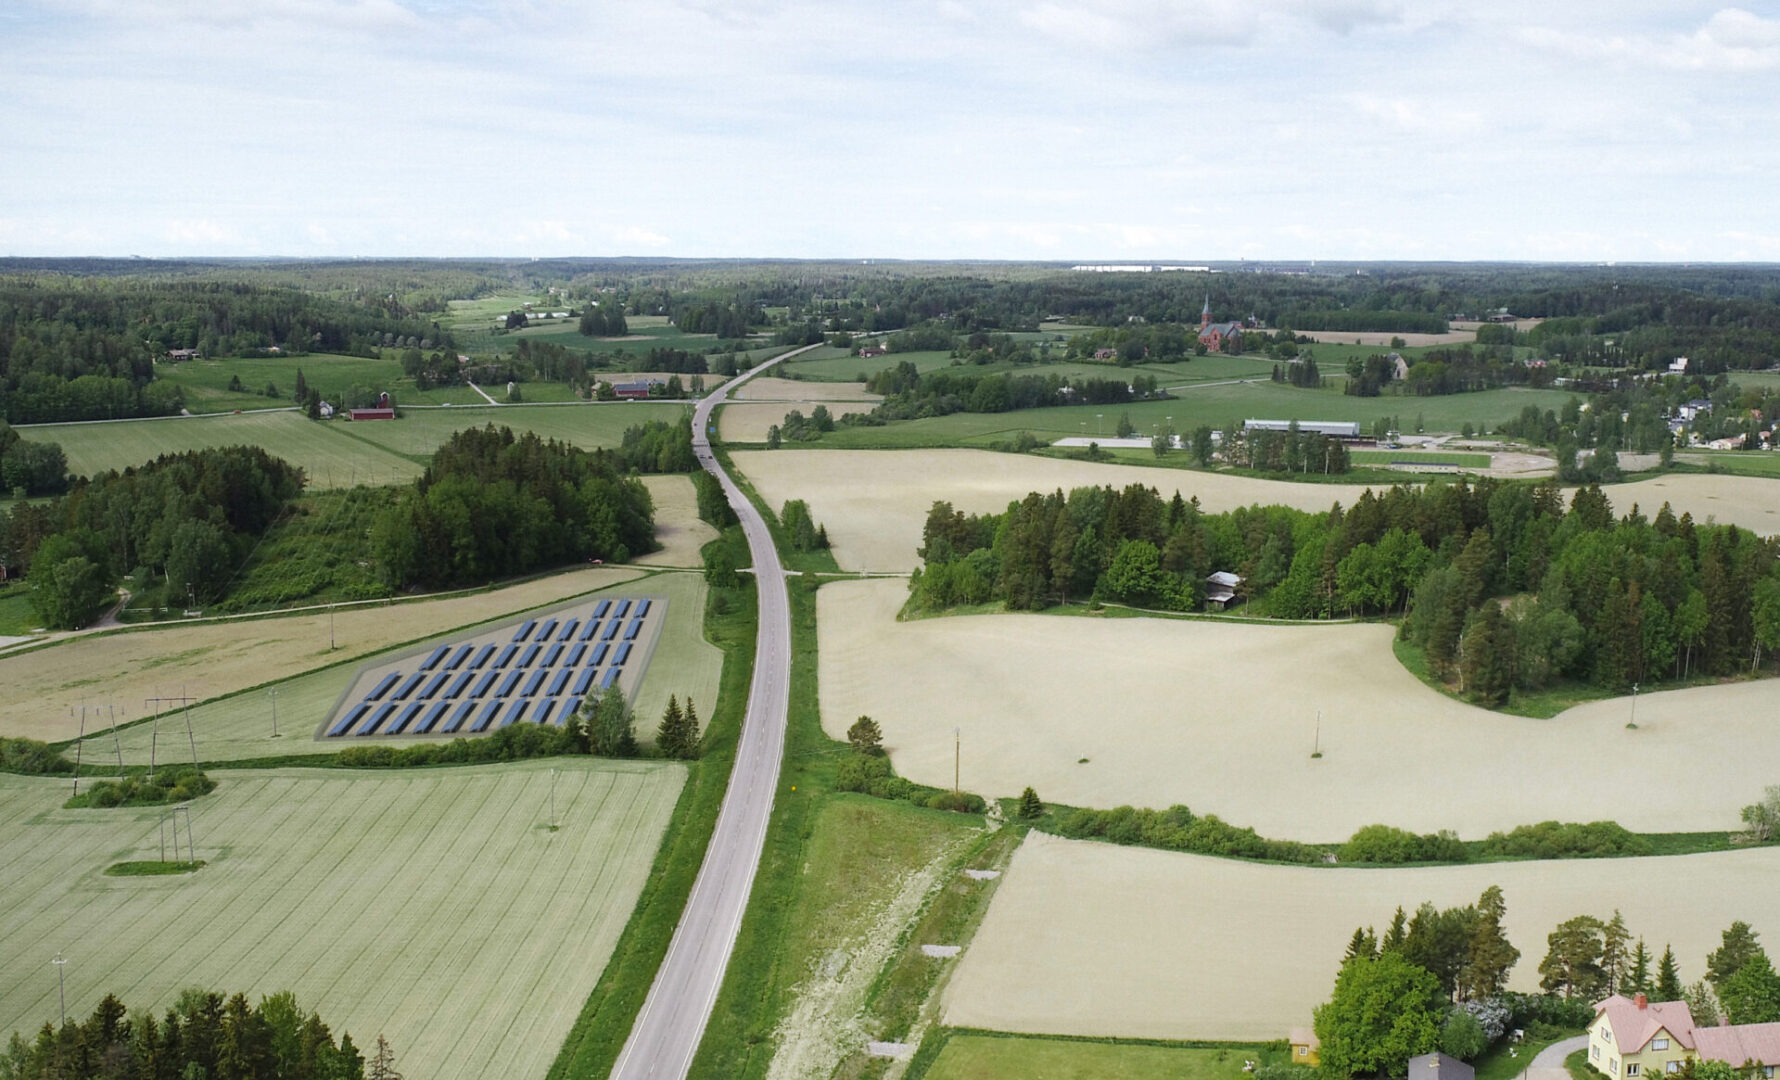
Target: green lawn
(16,617)
(834,365)
(590,426)
(1738,462)
(974,1056)
(1214,406)
(1398,457)
(351,889)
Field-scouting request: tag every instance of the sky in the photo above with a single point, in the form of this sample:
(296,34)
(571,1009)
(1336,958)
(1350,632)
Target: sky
(1092,131)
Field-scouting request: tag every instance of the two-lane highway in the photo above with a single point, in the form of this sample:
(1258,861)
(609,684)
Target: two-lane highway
(673,1017)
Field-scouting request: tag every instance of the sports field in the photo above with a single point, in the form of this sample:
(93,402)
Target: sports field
(432,906)
(1222,717)
(1088,938)
(1215,406)
(874,503)
(211,659)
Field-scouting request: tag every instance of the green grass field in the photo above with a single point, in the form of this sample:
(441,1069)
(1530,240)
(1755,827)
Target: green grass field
(1395,457)
(1214,406)
(974,1056)
(16,616)
(1738,462)
(834,365)
(239,727)
(421,431)
(432,906)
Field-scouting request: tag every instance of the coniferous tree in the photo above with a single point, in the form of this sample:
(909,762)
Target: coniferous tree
(1637,978)
(1614,940)
(1489,954)
(1738,945)
(691,735)
(670,734)
(1031,808)
(866,737)
(1397,932)
(1668,978)
(383,1062)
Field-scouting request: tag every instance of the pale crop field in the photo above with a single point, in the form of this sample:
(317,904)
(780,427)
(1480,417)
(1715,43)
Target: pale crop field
(1086,938)
(678,528)
(874,502)
(767,388)
(748,422)
(212,659)
(432,906)
(240,727)
(589,426)
(1222,717)
(331,457)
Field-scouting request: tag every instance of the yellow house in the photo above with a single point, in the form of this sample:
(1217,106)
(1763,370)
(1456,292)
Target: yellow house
(1632,1038)
(1305,1047)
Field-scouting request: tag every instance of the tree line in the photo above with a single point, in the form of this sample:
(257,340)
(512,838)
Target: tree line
(31,467)
(910,395)
(203,1034)
(187,519)
(1503,587)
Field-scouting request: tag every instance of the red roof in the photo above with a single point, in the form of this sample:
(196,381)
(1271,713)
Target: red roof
(1738,1043)
(372,414)
(1634,1026)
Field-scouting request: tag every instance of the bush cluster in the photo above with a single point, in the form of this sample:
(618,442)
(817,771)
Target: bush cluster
(870,774)
(1566,840)
(515,743)
(1386,845)
(31,758)
(174,785)
(1179,829)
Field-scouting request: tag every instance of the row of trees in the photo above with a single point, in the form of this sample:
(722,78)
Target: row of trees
(1608,600)
(31,467)
(203,1034)
(1589,958)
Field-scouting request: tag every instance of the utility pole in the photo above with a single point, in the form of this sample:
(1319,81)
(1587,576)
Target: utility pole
(1633,722)
(115,744)
(552,800)
(1316,747)
(957,742)
(274,695)
(77,745)
(155,734)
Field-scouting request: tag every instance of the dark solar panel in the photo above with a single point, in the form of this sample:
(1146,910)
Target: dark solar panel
(561,680)
(433,687)
(600,609)
(349,719)
(531,653)
(551,655)
(622,654)
(482,657)
(547,629)
(568,630)
(483,685)
(457,718)
(462,655)
(432,718)
(643,607)
(635,628)
(516,713)
(382,687)
(408,687)
(589,630)
(506,655)
(612,629)
(585,680)
(537,680)
(508,683)
(623,609)
(545,710)
(611,677)
(570,709)
(458,684)
(576,651)
(433,660)
(525,631)
(407,716)
(377,718)
(599,654)
(488,714)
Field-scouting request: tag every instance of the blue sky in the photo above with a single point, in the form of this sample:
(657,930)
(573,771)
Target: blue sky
(1015,129)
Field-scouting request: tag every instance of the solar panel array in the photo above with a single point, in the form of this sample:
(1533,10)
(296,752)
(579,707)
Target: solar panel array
(540,676)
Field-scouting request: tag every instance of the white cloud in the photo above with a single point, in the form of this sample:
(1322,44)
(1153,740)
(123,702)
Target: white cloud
(1731,40)
(632,237)
(356,15)
(1153,24)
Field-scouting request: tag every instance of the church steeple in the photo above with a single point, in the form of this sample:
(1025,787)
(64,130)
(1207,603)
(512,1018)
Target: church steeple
(1205,315)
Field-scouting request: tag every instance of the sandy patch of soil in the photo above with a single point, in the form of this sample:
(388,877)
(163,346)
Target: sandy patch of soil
(1223,717)
(677,525)
(748,421)
(220,658)
(874,501)
(768,388)
(1095,939)
(1752,502)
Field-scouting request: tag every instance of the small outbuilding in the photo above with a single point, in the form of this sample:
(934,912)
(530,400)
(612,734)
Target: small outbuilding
(1438,1066)
(1220,589)
(1306,1047)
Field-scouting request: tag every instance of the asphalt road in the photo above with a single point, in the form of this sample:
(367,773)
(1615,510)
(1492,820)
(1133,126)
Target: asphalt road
(673,1017)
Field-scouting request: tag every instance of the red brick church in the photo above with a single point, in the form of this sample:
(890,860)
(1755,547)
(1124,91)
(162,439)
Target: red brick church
(1219,337)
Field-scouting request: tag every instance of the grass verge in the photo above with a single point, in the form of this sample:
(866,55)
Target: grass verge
(151,868)
(593,1044)
(960,1053)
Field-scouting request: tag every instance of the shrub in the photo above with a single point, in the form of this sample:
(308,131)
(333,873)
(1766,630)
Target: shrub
(1387,845)
(1566,840)
(31,758)
(1462,1036)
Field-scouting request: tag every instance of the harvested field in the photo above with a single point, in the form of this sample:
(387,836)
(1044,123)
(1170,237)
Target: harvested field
(238,728)
(767,388)
(748,422)
(678,528)
(1222,717)
(1086,938)
(431,906)
(1383,339)
(875,502)
(222,657)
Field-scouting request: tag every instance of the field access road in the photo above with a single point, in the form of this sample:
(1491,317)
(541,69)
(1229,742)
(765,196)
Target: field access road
(672,1021)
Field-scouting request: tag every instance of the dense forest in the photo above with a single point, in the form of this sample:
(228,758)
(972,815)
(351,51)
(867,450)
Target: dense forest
(186,519)
(203,1034)
(910,395)
(493,504)
(1502,586)
(33,468)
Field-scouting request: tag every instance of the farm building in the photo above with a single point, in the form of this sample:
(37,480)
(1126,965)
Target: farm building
(1306,1047)
(1220,589)
(383,410)
(637,389)
(1334,429)
(177,355)
(1632,1037)
(1438,1066)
